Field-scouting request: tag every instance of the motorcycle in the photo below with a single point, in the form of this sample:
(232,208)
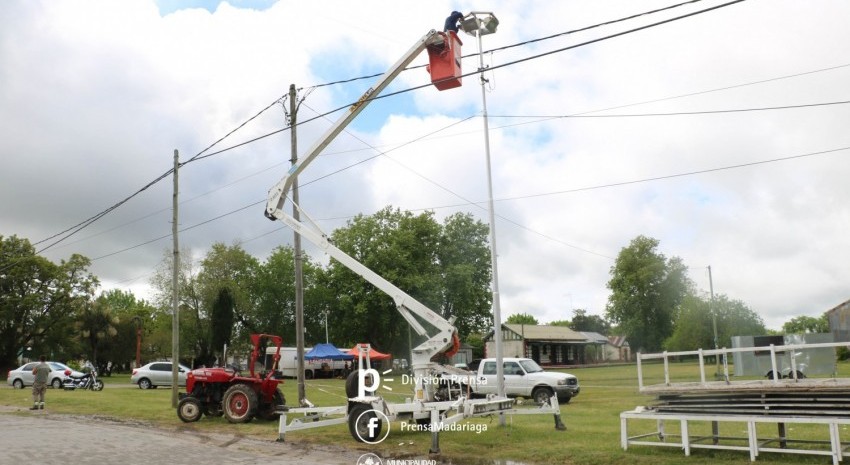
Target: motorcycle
(86,381)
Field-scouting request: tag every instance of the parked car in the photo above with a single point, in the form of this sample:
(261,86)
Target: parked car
(158,374)
(524,378)
(22,376)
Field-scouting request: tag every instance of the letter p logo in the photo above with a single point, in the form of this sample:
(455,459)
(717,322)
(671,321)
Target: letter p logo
(374,380)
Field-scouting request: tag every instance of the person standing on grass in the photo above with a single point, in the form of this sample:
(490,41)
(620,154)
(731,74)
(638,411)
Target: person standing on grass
(39,385)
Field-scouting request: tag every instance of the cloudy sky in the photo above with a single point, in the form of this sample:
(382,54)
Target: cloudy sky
(591,146)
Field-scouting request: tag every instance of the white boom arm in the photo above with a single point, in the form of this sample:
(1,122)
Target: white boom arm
(277,194)
(409,307)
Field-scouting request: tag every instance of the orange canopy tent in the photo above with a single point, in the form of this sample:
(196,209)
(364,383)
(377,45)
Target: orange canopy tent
(373,354)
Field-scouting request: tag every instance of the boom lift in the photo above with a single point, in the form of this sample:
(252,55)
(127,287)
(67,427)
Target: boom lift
(433,397)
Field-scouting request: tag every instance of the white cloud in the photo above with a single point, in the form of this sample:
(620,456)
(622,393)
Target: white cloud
(95,96)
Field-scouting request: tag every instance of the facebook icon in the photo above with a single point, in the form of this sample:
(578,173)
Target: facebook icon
(367,424)
(373,426)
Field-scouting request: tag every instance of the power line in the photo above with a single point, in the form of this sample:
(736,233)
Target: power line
(511,63)
(678,175)
(678,113)
(522,197)
(513,198)
(518,44)
(541,118)
(200,155)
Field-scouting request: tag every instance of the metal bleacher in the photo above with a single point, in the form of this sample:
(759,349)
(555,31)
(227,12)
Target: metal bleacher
(753,414)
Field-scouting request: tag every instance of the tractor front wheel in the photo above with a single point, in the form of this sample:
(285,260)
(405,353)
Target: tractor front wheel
(240,403)
(189,409)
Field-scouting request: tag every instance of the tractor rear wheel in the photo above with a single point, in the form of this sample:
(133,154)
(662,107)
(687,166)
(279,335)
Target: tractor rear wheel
(189,409)
(240,403)
(268,410)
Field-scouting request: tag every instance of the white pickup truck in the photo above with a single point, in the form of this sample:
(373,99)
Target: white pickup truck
(524,378)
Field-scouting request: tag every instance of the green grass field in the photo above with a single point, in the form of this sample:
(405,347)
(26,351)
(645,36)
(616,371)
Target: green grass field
(592,420)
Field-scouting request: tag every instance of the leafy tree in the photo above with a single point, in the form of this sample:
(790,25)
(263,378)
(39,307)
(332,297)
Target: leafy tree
(192,318)
(592,323)
(694,327)
(97,328)
(806,324)
(131,314)
(476,340)
(38,300)
(273,293)
(522,319)
(464,260)
(221,319)
(566,323)
(229,268)
(401,248)
(734,318)
(646,289)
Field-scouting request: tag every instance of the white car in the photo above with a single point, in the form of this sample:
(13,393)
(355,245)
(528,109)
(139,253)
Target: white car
(22,376)
(158,374)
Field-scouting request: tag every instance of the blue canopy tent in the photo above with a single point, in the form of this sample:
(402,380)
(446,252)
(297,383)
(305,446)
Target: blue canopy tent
(327,352)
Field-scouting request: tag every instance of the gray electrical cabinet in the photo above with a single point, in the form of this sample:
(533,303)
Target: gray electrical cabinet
(808,361)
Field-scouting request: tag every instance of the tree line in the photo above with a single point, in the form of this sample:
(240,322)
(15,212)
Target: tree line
(655,304)
(55,309)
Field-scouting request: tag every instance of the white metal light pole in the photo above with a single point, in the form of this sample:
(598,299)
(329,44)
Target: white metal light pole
(481,23)
(326,326)
(713,311)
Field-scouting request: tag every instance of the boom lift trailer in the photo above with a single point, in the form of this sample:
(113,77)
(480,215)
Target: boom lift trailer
(433,398)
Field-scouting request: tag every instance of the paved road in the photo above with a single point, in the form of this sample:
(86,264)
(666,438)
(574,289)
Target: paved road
(45,438)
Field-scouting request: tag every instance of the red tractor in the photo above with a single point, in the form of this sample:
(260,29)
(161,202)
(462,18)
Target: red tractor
(217,391)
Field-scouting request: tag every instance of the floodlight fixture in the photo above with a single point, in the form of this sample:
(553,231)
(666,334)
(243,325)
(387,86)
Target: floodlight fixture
(479,23)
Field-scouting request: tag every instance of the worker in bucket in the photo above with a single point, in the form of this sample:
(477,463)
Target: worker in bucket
(452,21)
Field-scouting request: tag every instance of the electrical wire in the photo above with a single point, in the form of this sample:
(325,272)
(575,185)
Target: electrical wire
(528,196)
(541,118)
(200,155)
(74,229)
(678,113)
(527,42)
(511,63)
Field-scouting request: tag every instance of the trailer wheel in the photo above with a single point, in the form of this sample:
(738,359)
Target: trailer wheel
(352,383)
(360,418)
(240,403)
(189,409)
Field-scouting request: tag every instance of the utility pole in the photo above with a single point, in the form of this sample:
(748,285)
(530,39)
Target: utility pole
(175,320)
(299,277)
